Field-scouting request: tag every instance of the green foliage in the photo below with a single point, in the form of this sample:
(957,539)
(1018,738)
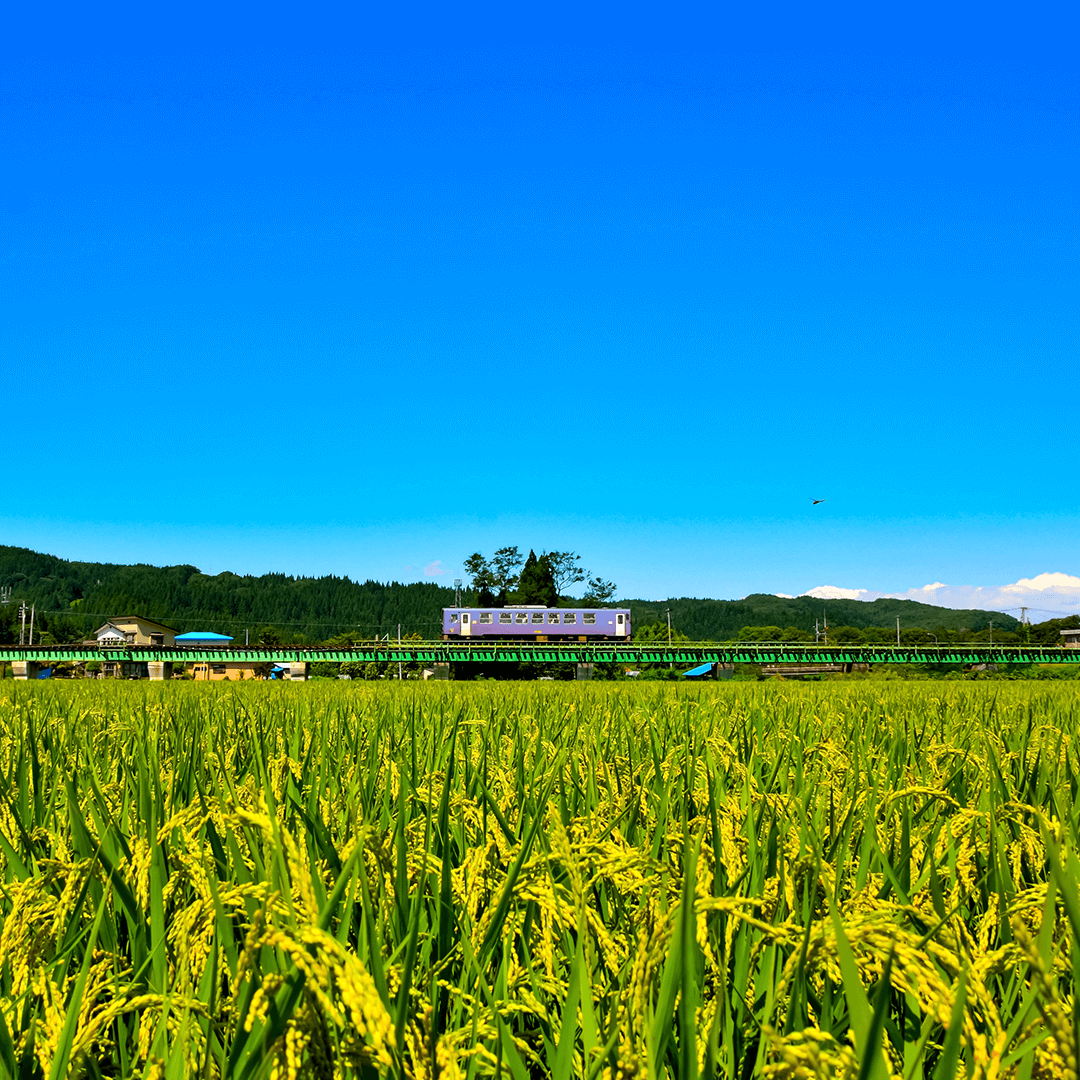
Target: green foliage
(566,569)
(1049,632)
(774,633)
(721,620)
(599,593)
(282,608)
(73,598)
(536,585)
(658,632)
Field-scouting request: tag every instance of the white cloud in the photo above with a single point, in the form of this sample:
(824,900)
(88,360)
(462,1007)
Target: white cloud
(1057,581)
(435,569)
(836,592)
(1047,595)
(782,595)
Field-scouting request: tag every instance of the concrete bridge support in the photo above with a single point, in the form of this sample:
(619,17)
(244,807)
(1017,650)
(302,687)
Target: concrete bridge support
(25,669)
(298,671)
(159,670)
(584,671)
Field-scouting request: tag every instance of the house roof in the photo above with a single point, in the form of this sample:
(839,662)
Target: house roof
(202,635)
(701,669)
(113,620)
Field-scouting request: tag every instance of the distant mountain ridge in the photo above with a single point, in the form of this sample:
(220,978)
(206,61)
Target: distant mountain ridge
(72,598)
(719,620)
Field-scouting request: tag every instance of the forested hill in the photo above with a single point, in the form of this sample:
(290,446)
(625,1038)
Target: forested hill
(73,598)
(720,620)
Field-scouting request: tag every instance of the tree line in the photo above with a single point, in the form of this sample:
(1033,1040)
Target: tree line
(71,599)
(508,578)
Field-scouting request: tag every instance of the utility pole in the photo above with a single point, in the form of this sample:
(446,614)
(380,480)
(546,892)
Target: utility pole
(898,630)
(457,592)
(34,605)
(1023,615)
(991,631)
(399,648)
(245,637)
(22,624)
(817,631)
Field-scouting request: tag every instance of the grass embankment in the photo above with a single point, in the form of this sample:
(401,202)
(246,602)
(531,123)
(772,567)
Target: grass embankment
(539,881)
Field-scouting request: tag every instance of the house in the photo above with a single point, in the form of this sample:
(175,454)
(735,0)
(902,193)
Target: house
(218,670)
(1070,638)
(130,630)
(133,630)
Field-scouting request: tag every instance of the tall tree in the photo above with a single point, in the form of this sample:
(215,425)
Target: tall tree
(598,593)
(479,570)
(494,579)
(565,569)
(536,585)
(506,568)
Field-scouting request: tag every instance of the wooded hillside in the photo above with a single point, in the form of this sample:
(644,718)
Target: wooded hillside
(72,598)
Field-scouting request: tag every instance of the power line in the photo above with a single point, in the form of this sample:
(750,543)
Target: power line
(270,622)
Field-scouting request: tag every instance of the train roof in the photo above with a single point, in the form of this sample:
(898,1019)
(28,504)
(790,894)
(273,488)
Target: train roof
(530,607)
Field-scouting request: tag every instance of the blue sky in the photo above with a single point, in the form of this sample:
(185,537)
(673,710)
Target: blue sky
(336,289)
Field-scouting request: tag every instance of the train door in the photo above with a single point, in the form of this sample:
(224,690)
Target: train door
(466,625)
(620,625)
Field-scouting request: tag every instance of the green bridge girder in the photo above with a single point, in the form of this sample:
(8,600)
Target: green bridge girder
(437,652)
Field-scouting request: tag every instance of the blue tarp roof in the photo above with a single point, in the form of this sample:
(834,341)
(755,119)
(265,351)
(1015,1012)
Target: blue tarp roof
(202,635)
(701,669)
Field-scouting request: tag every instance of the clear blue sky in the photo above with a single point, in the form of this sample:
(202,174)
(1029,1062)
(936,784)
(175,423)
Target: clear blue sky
(350,289)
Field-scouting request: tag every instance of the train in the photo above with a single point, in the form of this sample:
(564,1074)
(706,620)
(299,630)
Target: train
(532,623)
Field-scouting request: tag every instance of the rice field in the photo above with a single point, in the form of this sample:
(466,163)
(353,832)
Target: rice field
(539,880)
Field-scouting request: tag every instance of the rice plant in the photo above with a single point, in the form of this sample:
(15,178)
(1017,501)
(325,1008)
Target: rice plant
(245,881)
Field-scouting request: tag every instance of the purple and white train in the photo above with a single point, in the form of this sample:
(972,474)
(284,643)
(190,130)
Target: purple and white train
(537,623)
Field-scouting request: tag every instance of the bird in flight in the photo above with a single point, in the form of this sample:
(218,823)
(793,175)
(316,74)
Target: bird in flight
(816,501)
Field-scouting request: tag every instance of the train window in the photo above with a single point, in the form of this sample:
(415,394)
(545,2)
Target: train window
(569,616)
(589,618)
(520,617)
(553,616)
(455,617)
(485,617)
(505,617)
(538,616)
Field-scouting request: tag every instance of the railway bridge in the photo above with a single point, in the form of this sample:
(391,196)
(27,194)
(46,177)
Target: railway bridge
(27,662)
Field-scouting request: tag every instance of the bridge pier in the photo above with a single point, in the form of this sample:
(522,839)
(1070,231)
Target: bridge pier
(159,670)
(25,669)
(298,671)
(584,672)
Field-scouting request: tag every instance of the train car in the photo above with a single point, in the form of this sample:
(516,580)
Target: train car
(537,623)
